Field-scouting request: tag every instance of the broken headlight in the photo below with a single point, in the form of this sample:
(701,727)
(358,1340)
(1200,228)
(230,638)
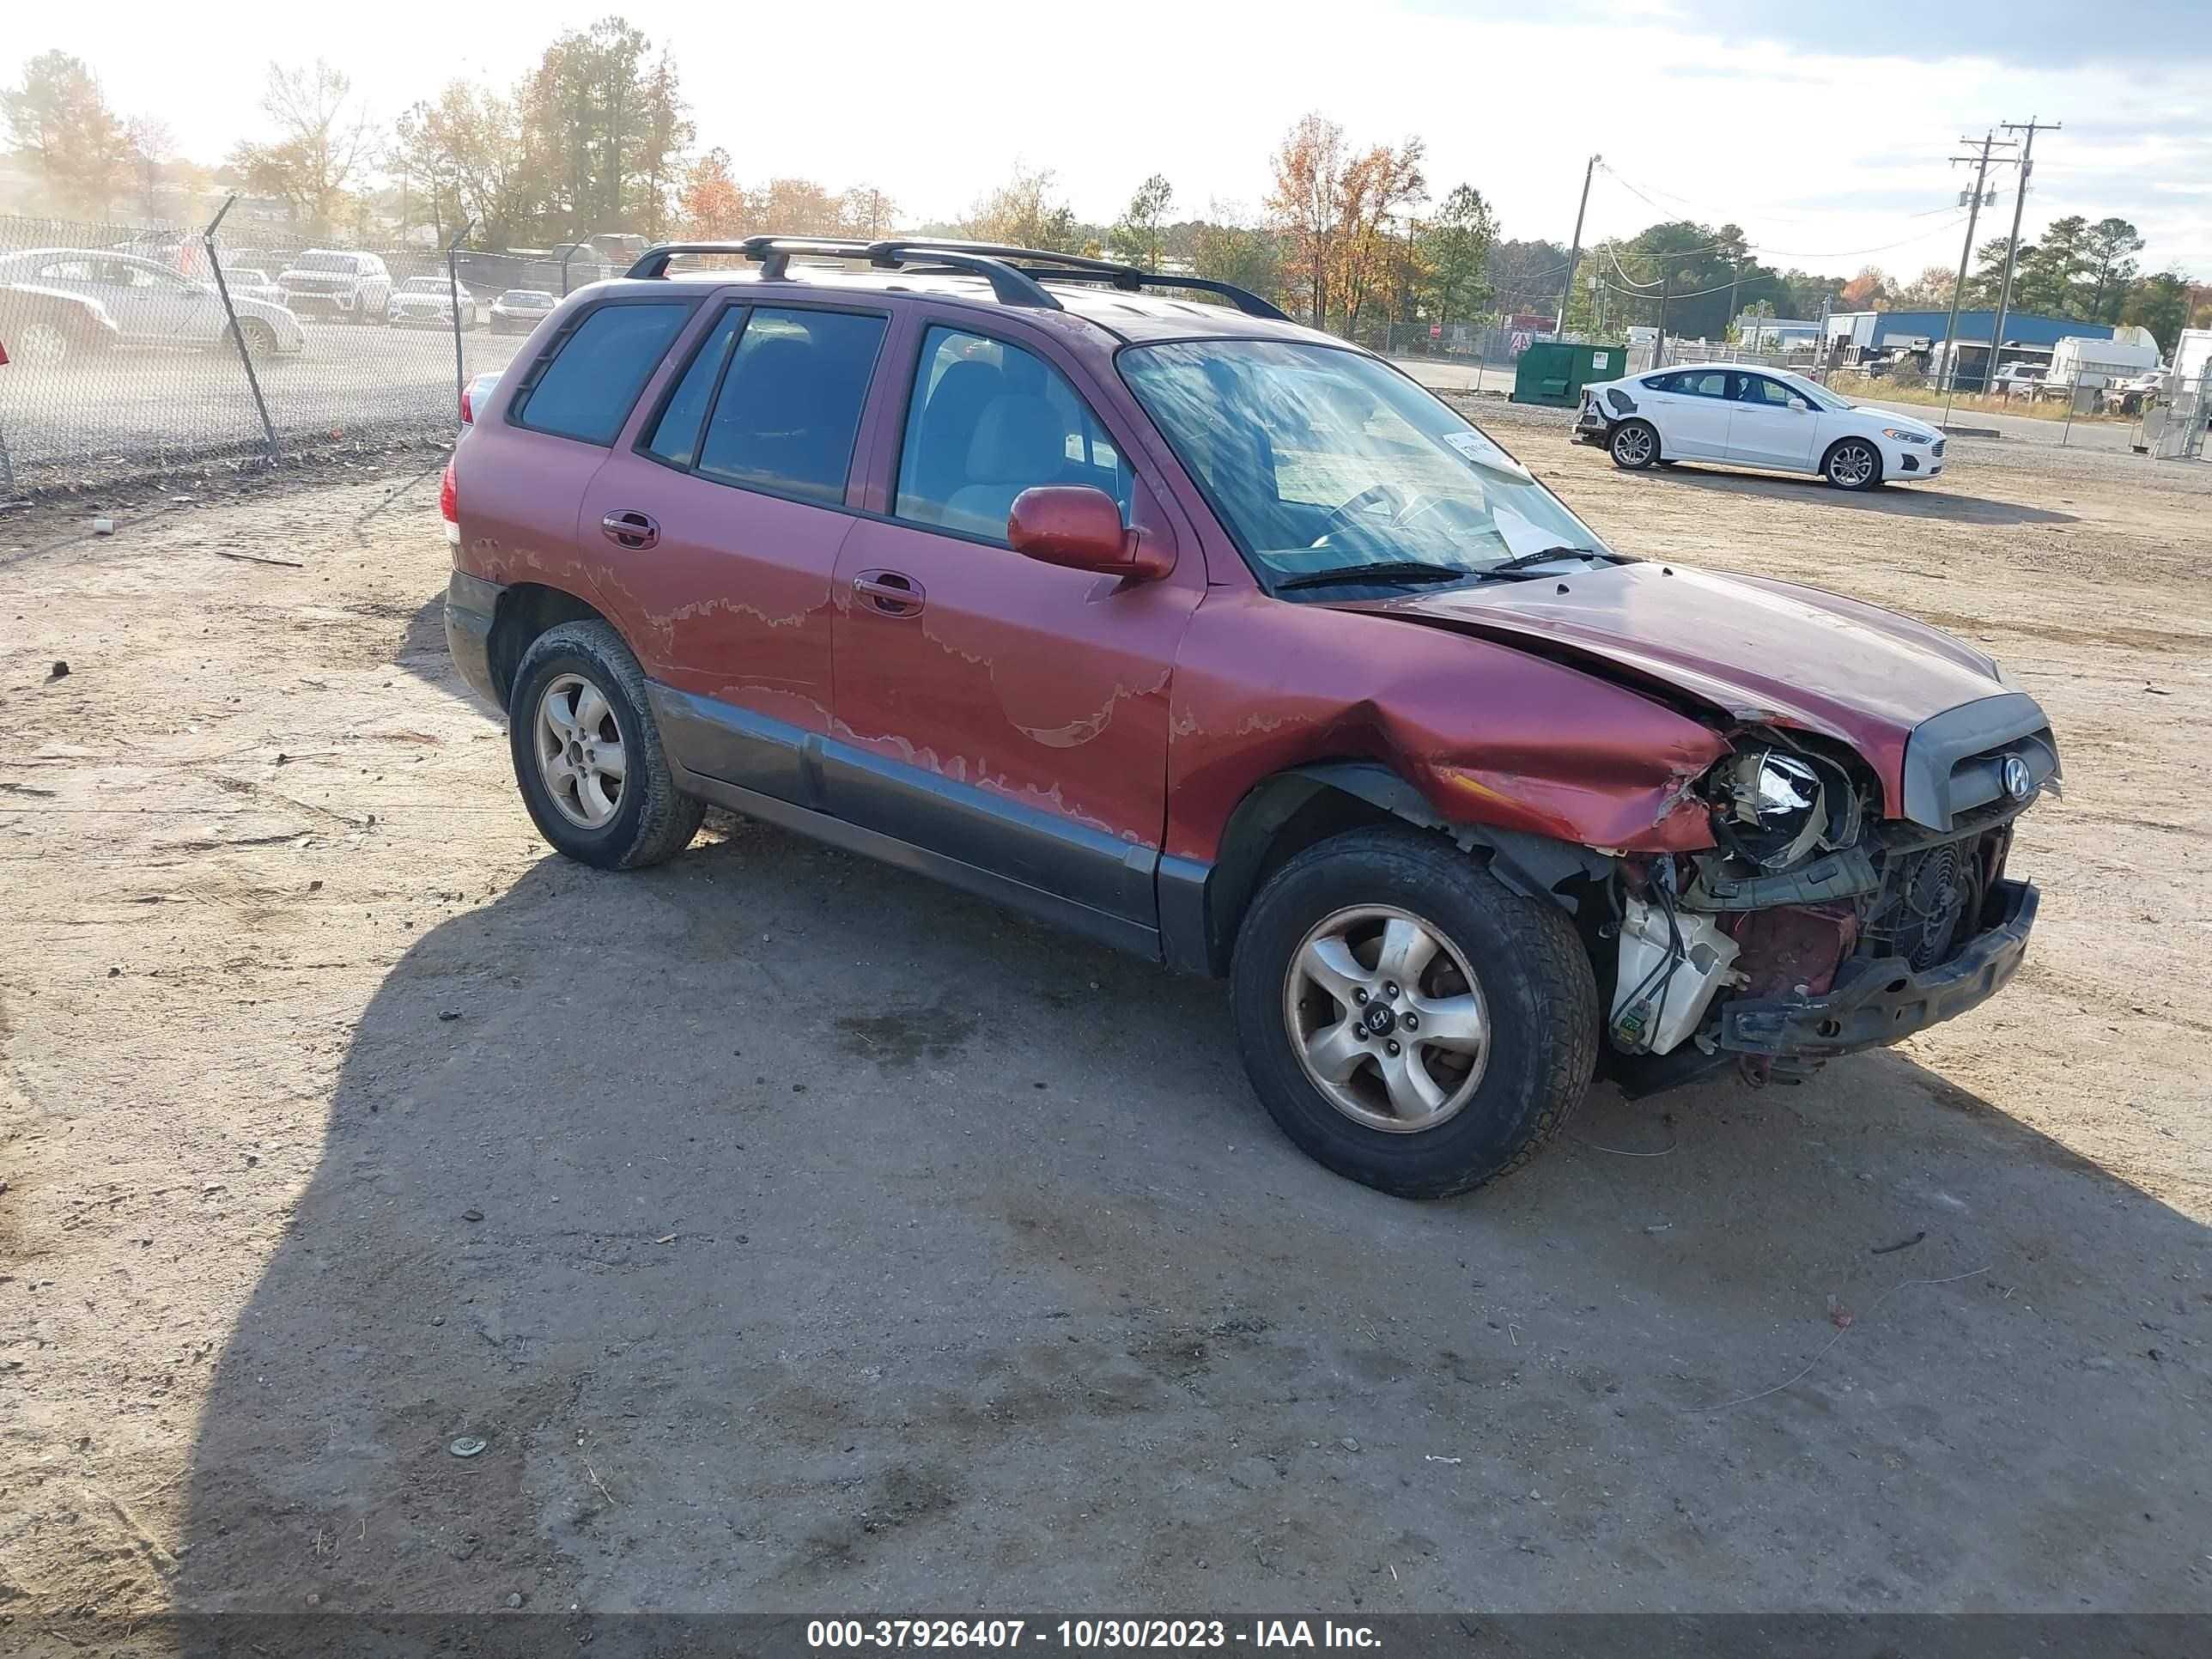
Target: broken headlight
(1773,809)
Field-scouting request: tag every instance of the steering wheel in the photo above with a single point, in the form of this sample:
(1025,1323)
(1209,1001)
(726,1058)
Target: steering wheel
(1406,506)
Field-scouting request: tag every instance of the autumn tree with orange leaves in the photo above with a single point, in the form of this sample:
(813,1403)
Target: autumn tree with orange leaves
(1337,211)
(713,206)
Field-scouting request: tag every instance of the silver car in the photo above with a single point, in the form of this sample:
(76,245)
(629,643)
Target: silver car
(251,282)
(58,302)
(422,302)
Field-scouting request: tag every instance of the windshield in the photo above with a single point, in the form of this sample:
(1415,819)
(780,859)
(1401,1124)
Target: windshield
(1813,392)
(523,296)
(424,285)
(1321,459)
(325,262)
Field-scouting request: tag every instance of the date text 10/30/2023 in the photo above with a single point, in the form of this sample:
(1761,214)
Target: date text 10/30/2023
(829,1635)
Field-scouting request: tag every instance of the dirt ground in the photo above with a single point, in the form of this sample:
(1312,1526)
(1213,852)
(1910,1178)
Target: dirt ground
(798,1239)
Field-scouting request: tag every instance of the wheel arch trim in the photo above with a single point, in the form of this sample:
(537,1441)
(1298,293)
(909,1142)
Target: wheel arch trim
(1201,905)
(523,611)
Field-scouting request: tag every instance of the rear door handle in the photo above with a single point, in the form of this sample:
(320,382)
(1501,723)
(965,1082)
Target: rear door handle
(889,593)
(634,531)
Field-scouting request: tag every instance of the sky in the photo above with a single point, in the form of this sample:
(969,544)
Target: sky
(1825,130)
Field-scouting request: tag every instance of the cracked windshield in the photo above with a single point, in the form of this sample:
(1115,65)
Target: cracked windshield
(1324,463)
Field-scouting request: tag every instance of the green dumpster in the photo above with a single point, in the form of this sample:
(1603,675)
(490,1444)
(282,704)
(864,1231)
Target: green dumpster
(1552,372)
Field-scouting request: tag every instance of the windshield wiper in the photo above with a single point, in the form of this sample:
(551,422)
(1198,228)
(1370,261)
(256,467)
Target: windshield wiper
(1387,572)
(1545,555)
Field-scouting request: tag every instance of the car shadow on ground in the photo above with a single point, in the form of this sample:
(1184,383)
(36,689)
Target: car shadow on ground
(772,1230)
(421,650)
(1920,501)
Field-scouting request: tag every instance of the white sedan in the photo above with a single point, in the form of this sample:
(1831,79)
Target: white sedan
(1745,415)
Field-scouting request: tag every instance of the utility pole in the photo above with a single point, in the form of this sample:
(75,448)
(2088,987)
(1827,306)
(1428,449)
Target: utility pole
(1574,253)
(1659,346)
(1736,272)
(1989,141)
(2019,203)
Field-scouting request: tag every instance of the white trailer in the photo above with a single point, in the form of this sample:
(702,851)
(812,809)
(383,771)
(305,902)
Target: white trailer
(2079,364)
(2191,353)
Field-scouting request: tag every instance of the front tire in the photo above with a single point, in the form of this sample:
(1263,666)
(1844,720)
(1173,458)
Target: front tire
(1406,1020)
(1635,446)
(1852,464)
(44,344)
(589,756)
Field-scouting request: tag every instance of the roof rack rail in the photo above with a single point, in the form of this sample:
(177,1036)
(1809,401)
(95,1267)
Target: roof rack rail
(1015,273)
(1242,298)
(1049,265)
(774,255)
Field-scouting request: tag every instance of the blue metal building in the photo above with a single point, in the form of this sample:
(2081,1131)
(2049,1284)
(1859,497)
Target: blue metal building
(1889,329)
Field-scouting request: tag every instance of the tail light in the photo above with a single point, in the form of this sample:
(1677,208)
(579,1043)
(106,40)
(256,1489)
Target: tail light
(449,506)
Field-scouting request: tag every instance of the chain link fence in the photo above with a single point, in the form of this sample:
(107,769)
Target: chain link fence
(137,353)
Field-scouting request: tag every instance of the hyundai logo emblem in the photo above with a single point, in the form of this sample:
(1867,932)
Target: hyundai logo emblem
(2019,781)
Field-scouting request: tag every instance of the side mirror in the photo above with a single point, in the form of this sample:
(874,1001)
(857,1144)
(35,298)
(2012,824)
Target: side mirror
(1802,405)
(1080,528)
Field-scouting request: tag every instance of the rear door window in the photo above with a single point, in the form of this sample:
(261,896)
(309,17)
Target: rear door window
(675,435)
(789,408)
(596,373)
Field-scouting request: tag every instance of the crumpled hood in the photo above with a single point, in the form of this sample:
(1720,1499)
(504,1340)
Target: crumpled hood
(1757,650)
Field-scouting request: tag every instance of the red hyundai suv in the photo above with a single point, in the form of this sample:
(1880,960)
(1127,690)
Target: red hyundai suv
(1211,636)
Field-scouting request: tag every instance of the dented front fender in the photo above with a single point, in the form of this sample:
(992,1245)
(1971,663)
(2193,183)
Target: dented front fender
(1488,733)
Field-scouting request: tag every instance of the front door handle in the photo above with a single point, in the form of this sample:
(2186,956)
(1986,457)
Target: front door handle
(889,593)
(634,531)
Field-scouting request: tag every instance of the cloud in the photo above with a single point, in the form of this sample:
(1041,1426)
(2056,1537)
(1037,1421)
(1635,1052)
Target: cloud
(2167,34)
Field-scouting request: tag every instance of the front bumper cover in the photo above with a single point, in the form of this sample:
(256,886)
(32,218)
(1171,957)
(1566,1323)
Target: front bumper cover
(1879,1001)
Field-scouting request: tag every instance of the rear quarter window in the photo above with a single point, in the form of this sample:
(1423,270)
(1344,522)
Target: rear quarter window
(585,389)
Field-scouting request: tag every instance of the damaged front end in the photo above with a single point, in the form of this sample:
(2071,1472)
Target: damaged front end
(1813,926)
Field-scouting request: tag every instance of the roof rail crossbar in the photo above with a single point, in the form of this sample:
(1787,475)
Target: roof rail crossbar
(774,255)
(653,262)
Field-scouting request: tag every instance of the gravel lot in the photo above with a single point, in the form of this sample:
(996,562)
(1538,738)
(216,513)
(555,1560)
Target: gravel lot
(800,1239)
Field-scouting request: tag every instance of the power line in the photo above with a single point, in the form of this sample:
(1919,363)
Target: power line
(1852,253)
(1776,253)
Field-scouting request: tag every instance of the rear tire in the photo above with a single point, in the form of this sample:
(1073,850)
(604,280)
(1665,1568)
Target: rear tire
(1635,446)
(1509,969)
(567,791)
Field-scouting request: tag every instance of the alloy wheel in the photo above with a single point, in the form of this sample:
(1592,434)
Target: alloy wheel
(43,345)
(1633,447)
(581,755)
(1387,1018)
(1852,465)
